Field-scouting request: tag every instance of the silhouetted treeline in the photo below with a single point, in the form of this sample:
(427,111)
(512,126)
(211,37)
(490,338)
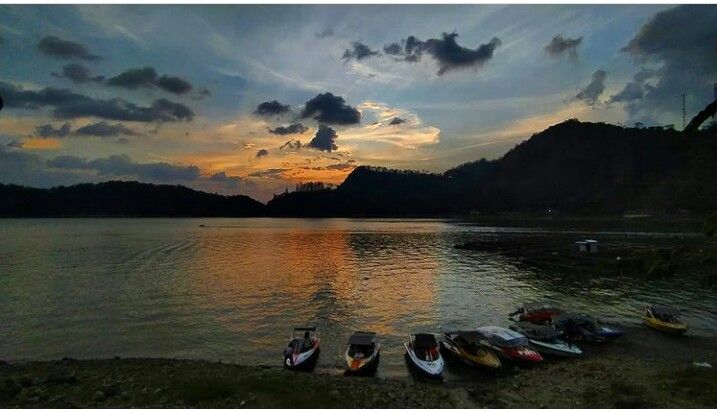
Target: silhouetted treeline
(122,199)
(571,167)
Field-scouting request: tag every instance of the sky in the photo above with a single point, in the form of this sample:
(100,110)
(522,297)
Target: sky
(249,99)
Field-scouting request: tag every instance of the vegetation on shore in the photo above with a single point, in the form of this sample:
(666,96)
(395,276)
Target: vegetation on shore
(574,167)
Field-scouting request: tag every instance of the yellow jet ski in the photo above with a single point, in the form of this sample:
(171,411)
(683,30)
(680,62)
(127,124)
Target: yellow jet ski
(665,319)
(470,347)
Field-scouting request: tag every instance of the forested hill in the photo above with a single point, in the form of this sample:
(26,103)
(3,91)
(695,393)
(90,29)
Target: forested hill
(571,167)
(122,199)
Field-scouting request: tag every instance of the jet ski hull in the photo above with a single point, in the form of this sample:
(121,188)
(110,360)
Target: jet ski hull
(302,360)
(672,328)
(485,359)
(432,369)
(558,348)
(363,365)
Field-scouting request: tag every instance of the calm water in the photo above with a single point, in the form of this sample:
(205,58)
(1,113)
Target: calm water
(233,288)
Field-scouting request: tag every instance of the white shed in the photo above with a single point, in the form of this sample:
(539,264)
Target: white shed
(589,246)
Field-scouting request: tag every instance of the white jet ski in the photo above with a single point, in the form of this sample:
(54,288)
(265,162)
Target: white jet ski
(545,340)
(302,349)
(424,354)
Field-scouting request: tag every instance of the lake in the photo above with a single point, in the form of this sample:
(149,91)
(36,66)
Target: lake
(232,289)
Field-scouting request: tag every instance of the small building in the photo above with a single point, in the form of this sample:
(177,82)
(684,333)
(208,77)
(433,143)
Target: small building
(589,246)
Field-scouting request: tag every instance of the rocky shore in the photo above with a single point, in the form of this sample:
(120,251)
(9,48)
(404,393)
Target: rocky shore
(641,369)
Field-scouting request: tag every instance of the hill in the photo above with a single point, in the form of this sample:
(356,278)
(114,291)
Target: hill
(572,167)
(118,198)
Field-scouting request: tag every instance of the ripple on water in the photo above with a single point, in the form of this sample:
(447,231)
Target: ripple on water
(234,288)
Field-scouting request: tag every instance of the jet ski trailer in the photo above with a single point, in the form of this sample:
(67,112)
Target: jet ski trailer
(423,352)
(302,350)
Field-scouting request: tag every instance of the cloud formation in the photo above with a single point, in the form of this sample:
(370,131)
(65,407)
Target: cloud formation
(325,139)
(65,49)
(148,77)
(330,109)
(104,129)
(296,128)
(635,89)
(261,153)
(78,73)
(359,51)
(291,145)
(324,34)
(271,108)
(48,130)
(124,166)
(69,105)
(592,91)
(445,51)
(685,57)
(560,46)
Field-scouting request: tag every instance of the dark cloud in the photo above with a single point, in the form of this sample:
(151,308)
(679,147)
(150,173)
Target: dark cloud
(261,153)
(446,51)
(78,73)
(135,78)
(324,33)
(292,145)
(104,129)
(122,165)
(680,42)
(271,108)
(325,139)
(359,51)
(48,130)
(270,173)
(393,49)
(65,49)
(560,46)
(635,89)
(148,77)
(69,105)
(296,128)
(592,91)
(330,109)
(173,84)
(396,121)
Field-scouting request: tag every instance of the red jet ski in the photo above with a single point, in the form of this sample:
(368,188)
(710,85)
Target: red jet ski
(509,344)
(536,312)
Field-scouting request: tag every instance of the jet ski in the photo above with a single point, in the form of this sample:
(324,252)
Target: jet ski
(302,349)
(509,344)
(362,354)
(545,340)
(536,312)
(664,319)
(579,326)
(468,347)
(424,353)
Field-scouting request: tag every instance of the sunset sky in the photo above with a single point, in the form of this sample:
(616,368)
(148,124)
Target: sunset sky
(250,100)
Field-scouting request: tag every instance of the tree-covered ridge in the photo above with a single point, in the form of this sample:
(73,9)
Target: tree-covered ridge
(117,198)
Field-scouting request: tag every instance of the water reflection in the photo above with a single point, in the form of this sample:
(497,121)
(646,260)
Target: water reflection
(232,289)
